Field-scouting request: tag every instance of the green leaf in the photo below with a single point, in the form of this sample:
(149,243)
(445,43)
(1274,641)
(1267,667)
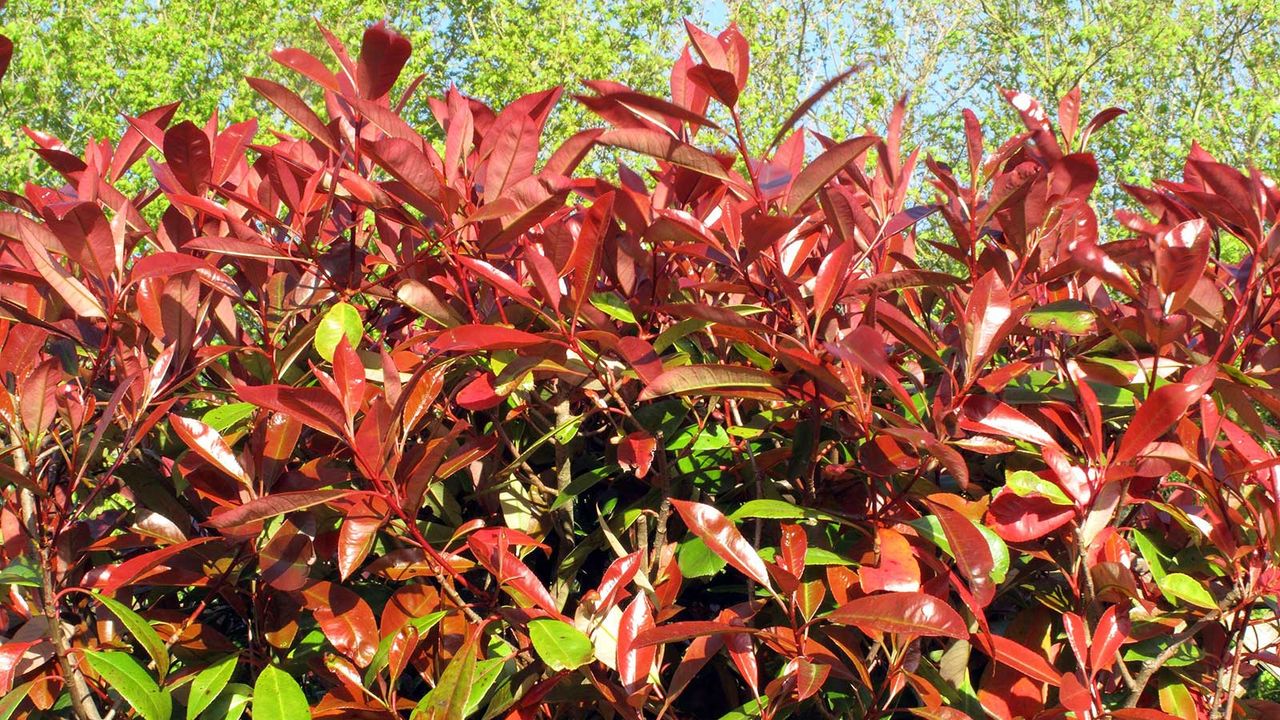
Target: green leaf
(696,559)
(223,417)
(341,319)
(1175,698)
(776,510)
(560,645)
(613,306)
(276,695)
(813,557)
(20,573)
(127,677)
(581,484)
(141,631)
(1186,653)
(1188,589)
(231,704)
(1028,484)
(769,510)
(486,676)
(1069,316)
(10,703)
(448,699)
(209,684)
(680,329)
(1150,551)
(379,661)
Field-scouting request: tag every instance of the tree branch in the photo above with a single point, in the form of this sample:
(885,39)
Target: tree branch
(1150,667)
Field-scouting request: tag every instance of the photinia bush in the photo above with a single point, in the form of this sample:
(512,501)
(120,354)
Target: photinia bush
(369,422)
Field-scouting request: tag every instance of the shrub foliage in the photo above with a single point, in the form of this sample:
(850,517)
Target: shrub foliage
(375,423)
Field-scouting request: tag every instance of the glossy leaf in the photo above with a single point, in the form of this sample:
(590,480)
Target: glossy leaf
(141,631)
(277,695)
(560,645)
(210,445)
(822,169)
(723,539)
(341,320)
(901,613)
(723,380)
(208,684)
(127,678)
(270,506)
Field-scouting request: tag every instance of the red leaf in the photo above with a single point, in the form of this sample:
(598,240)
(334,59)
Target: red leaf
(294,107)
(864,348)
(311,406)
(358,532)
(972,554)
(190,158)
(1161,410)
(902,613)
(679,631)
(11,654)
(1069,114)
(345,618)
(113,577)
(571,152)
(87,236)
(1022,519)
(642,358)
(1181,255)
(1023,659)
(584,262)
(6,55)
(207,443)
(406,162)
(511,155)
(285,561)
(635,660)
(616,578)
(988,317)
(307,65)
(824,167)
(723,380)
(723,539)
(793,549)
(635,452)
(660,145)
(1112,631)
(511,572)
(898,570)
(833,272)
(273,505)
(469,338)
(383,53)
(986,414)
(1141,714)
(498,279)
(810,677)
(479,394)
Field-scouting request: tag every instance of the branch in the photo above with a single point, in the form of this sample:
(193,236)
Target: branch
(82,702)
(1150,667)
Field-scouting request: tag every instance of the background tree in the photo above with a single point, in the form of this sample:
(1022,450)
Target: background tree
(1185,70)
(79,63)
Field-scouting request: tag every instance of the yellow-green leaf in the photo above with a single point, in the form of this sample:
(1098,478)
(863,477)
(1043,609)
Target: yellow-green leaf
(341,319)
(560,645)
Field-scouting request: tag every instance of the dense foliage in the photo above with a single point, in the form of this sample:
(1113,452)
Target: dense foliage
(1184,69)
(358,424)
